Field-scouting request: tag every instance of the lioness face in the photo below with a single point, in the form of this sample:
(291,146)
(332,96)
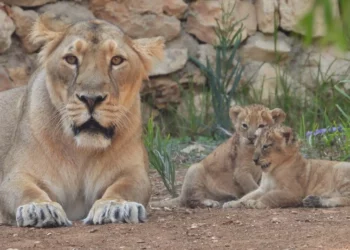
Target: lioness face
(247,120)
(94,74)
(274,146)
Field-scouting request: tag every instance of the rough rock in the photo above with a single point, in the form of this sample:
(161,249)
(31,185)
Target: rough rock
(137,20)
(269,77)
(262,48)
(291,11)
(317,64)
(24,21)
(18,64)
(174,60)
(164,91)
(267,14)
(70,11)
(5,82)
(206,51)
(27,3)
(184,40)
(174,7)
(203,17)
(7,27)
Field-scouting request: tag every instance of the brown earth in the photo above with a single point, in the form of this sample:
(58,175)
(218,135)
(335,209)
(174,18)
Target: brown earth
(296,228)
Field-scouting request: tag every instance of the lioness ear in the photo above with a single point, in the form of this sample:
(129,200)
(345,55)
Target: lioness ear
(149,49)
(48,27)
(234,112)
(278,115)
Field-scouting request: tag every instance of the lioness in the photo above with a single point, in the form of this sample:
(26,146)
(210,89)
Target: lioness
(229,171)
(71,143)
(290,180)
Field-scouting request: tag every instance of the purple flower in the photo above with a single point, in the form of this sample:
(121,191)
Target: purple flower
(323,131)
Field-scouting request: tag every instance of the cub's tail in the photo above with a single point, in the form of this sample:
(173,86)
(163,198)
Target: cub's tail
(167,203)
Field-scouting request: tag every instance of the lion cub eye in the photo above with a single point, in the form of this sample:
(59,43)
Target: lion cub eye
(261,125)
(244,125)
(266,146)
(117,60)
(70,59)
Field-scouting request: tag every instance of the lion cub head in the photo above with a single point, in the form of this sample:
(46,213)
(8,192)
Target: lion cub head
(93,76)
(274,146)
(247,120)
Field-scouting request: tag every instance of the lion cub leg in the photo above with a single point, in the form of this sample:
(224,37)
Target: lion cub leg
(246,181)
(318,201)
(30,205)
(123,201)
(256,194)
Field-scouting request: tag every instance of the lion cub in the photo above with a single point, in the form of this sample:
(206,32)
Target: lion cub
(290,180)
(229,171)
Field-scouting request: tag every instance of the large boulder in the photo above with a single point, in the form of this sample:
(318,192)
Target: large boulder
(204,15)
(291,11)
(27,3)
(267,15)
(264,48)
(24,20)
(138,20)
(7,27)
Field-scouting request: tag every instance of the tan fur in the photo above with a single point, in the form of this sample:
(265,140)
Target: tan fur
(228,172)
(50,174)
(290,180)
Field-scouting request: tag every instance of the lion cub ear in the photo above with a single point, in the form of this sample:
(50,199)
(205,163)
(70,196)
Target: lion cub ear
(149,49)
(234,112)
(278,115)
(48,27)
(288,135)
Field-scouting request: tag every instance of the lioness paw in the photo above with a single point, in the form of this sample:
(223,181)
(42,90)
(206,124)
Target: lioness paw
(43,214)
(312,201)
(111,211)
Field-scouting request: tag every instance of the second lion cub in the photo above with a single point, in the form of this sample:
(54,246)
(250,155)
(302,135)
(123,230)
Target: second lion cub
(290,180)
(229,171)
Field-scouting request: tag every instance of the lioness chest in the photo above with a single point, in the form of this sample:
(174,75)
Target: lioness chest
(77,184)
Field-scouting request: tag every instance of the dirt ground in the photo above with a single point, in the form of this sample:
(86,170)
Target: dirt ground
(179,229)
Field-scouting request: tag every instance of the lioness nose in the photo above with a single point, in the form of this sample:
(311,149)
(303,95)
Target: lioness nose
(91,101)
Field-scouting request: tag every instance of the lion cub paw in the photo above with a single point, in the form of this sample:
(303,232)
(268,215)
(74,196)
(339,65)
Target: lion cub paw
(312,201)
(111,211)
(232,204)
(43,214)
(211,203)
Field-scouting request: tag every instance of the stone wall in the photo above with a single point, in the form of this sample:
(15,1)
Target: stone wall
(188,27)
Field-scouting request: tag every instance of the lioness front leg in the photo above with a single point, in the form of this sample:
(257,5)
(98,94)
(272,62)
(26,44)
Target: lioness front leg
(30,205)
(123,201)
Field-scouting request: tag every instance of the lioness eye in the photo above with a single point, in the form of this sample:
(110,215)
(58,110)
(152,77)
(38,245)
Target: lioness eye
(261,125)
(70,59)
(117,60)
(244,125)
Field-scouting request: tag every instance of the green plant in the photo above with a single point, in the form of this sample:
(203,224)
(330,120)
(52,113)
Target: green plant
(337,29)
(224,77)
(159,153)
(195,119)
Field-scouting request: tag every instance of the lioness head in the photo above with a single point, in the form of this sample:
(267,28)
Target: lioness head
(274,146)
(93,75)
(247,120)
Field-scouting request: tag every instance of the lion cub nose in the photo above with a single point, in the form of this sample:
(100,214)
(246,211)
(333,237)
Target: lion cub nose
(91,101)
